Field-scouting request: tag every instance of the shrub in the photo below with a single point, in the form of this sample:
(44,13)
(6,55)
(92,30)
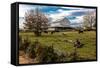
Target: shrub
(49,55)
(40,53)
(33,49)
(20,42)
(23,43)
(63,57)
(74,55)
(30,51)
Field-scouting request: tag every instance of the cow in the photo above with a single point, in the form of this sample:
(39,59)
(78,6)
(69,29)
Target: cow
(80,31)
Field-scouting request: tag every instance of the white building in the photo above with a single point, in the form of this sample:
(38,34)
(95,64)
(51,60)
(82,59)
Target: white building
(60,24)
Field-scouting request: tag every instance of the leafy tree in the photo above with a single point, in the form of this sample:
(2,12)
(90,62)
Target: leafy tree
(35,21)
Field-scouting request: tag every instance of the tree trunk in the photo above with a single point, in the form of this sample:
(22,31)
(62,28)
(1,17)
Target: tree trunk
(37,33)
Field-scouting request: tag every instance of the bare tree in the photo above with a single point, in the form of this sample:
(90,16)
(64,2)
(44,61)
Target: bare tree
(35,21)
(89,20)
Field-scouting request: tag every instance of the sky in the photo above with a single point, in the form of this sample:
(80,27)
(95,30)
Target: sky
(73,14)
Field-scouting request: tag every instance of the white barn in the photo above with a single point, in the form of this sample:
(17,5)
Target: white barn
(59,24)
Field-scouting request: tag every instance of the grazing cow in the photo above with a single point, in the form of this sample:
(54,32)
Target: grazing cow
(52,32)
(80,31)
(45,31)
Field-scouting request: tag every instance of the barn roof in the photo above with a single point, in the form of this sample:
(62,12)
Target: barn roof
(64,22)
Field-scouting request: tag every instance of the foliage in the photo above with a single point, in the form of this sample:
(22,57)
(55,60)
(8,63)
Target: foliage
(35,21)
(89,20)
(42,54)
(23,43)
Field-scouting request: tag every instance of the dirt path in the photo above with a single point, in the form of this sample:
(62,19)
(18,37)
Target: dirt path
(24,59)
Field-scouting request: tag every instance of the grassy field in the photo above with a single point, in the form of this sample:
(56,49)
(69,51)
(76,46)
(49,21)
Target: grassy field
(88,38)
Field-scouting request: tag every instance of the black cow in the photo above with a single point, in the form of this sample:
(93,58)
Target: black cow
(45,31)
(80,31)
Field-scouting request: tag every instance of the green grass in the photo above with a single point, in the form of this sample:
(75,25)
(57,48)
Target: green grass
(88,51)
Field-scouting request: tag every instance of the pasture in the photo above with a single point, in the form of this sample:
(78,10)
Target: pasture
(59,41)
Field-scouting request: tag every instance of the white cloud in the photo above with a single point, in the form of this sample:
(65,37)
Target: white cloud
(71,8)
(24,8)
(79,19)
(65,13)
(61,14)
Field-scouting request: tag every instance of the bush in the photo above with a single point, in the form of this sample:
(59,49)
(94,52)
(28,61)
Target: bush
(40,53)
(23,43)
(30,51)
(33,49)
(49,55)
(20,42)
